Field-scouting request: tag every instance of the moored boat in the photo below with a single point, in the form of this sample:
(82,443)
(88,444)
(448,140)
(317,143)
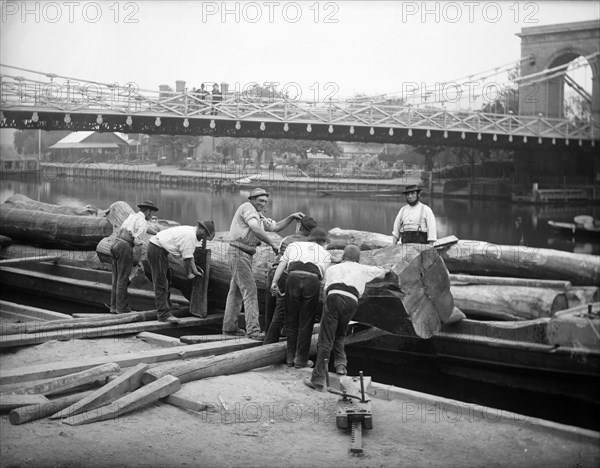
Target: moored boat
(582,226)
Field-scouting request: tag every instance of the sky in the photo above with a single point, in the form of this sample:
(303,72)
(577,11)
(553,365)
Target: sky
(314,50)
(327,48)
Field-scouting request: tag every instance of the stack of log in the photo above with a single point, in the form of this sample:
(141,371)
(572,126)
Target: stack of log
(560,279)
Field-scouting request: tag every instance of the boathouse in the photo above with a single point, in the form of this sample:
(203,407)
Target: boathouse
(95,147)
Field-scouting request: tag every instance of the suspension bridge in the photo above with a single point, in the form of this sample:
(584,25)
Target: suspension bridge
(453,113)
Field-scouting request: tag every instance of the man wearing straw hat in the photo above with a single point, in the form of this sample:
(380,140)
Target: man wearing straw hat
(415,223)
(129,236)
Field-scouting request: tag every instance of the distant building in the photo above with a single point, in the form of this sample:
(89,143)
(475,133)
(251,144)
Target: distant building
(95,147)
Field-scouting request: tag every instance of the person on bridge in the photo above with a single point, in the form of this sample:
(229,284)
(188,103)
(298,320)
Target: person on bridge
(275,304)
(180,242)
(216,97)
(248,229)
(344,284)
(122,253)
(306,263)
(415,222)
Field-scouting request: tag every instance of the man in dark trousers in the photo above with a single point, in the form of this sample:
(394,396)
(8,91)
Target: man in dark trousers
(180,242)
(415,223)
(344,284)
(129,236)
(306,263)
(275,305)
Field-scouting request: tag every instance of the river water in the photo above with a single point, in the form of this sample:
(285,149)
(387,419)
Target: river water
(489,221)
(476,220)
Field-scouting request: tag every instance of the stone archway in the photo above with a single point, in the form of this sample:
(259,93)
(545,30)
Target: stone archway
(551,46)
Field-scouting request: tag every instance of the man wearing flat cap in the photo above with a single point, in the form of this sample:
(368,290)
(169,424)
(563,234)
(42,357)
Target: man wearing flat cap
(248,229)
(180,242)
(122,253)
(415,223)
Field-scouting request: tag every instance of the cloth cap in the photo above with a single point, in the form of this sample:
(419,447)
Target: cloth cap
(308,223)
(209,227)
(148,204)
(352,253)
(318,235)
(257,192)
(412,188)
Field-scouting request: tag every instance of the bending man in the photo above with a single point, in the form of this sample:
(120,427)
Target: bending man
(180,242)
(344,284)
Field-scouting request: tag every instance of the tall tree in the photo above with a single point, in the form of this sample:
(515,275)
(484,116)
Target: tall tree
(27,142)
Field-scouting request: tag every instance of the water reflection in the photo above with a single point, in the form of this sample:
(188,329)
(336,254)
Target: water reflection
(491,221)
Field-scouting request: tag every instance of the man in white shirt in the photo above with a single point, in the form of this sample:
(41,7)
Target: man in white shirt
(246,232)
(415,223)
(180,242)
(306,263)
(344,284)
(129,236)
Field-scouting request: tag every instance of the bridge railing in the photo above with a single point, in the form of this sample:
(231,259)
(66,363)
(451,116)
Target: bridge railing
(70,98)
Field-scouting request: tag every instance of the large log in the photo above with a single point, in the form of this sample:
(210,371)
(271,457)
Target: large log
(364,240)
(463,280)
(80,258)
(500,302)
(52,230)
(23,202)
(483,258)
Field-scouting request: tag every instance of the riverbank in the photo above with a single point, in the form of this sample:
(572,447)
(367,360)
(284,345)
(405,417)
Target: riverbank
(273,419)
(175,177)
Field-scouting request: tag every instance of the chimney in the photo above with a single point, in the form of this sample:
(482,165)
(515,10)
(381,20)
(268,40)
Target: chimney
(180,86)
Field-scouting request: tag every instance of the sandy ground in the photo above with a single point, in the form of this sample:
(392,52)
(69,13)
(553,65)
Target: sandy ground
(274,420)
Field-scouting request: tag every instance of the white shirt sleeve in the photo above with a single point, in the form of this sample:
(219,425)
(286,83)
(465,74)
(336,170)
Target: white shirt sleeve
(431,224)
(396,228)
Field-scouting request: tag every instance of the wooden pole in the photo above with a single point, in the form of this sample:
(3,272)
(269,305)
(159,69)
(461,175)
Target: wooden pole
(499,280)
(129,381)
(10,402)
(31,413)
(13,261)
(161,388)
(61,384)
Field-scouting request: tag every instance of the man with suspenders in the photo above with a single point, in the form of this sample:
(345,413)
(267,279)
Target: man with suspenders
(415,223)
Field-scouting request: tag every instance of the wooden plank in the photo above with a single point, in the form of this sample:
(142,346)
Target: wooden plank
(534,283)
(33,312)
(84,315)
(159,389)
(10,402)
(46,371)
(159,340)
(230,363)
(129,381)
(61,384)
(15,261)
(8,341)
(191,405)
(33,412)
(43,327)
(195,339)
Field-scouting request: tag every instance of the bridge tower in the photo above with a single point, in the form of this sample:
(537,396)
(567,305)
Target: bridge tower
(551,46)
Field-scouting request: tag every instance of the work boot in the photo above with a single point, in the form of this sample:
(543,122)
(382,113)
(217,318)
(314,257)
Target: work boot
(340,369)
(169,319)
(310,384)
(257,336)
(237,332)
(308,364)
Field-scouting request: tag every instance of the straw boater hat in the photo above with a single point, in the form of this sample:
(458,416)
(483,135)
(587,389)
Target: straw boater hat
(209,227)
(412,188)
(257,192)
(147,204)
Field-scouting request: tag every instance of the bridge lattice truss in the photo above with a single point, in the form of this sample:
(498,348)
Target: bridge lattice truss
(63,105)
